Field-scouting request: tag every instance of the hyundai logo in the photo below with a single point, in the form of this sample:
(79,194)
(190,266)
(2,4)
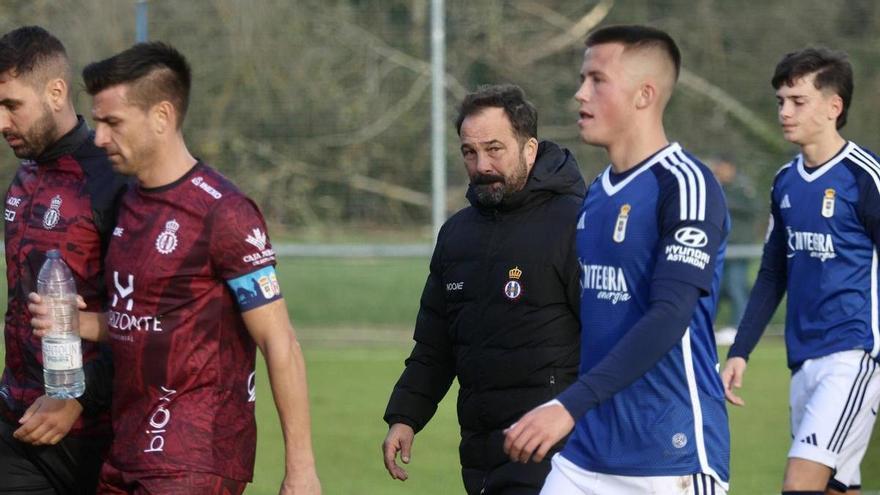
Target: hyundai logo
(691,237)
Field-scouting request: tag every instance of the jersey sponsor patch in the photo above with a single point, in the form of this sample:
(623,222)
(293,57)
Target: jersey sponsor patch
(258,239)
(208,188)
(691,237)
(256,288)
(687,255)
(607,282)
(818,244)
(13,202)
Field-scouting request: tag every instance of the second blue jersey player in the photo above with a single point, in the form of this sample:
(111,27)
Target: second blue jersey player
(822,249)
(647,412)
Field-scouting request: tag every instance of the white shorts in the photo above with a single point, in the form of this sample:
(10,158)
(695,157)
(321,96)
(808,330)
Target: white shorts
(567,478)
(834,401)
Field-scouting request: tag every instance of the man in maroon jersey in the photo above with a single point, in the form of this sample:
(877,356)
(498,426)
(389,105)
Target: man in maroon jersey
(62,197)
(193,292)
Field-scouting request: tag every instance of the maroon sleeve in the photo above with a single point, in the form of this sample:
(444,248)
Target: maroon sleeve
(239,241)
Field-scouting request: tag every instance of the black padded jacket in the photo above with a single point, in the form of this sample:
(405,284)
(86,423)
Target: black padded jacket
(499,311)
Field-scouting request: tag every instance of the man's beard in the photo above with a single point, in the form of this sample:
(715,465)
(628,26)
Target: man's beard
(492,189)
(39,137)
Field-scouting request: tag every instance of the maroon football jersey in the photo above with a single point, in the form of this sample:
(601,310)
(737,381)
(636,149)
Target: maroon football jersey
(183,395)
(65,200)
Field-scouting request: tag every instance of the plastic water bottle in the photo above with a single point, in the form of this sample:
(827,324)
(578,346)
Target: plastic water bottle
(63,376)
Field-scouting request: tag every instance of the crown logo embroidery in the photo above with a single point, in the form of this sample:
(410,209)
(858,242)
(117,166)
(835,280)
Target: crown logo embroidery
(515,273)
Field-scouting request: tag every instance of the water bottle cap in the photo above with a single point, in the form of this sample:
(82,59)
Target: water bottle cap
(54,254)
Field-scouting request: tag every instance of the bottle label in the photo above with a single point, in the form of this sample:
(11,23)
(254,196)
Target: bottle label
(62,356)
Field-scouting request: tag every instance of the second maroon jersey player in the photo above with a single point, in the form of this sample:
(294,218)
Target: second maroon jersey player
(184,394)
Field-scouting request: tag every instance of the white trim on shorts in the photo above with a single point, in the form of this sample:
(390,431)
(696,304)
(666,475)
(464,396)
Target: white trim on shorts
(567,478)
(831,401)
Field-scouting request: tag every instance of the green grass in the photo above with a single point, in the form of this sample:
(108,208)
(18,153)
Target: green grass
(354,317)
(326,292)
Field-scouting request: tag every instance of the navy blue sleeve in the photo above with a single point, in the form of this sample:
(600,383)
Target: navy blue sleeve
(670,310)
(868,208)
(768,289)
(693,221)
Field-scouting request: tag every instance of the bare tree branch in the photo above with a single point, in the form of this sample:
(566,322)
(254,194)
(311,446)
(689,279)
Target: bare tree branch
(544,13)
(284,167)
(362,36)
(573,34)
(383,122)
(756,125)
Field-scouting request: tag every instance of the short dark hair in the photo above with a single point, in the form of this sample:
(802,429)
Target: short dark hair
(511,98)
(636,36)
(156,72)
(832,69)
(29,50)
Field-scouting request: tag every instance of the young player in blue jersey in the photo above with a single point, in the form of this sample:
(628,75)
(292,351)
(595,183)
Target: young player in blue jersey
(821,247)
(648,410)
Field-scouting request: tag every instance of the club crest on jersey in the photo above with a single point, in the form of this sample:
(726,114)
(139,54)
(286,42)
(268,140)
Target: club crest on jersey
(53,214)
(513,288)
(167,240)
(828,203)
(620,225)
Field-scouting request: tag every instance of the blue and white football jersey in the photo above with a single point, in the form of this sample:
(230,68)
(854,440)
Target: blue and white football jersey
(825,221)
(665,220)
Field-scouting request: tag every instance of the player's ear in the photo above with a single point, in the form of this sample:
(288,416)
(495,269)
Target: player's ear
(835,107)
(163,116)
(56,93)
(646,95)
(530,151)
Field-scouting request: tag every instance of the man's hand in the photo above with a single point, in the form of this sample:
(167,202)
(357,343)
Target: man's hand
(48,420)
(40,319)
(399,439)
(537,432)
(732,377)
(301,482)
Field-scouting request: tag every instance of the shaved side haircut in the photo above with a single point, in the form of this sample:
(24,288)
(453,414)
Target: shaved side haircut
(154,72)
(33,55)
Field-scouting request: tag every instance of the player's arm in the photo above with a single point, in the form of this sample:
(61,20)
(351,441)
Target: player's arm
(237,229)
(269,325)
(671,307)
(767,293)
(426,378)
(49,420)
(676,286)
(868,208)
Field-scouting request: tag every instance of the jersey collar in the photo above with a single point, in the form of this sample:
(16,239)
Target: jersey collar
(611,189)
(825,167)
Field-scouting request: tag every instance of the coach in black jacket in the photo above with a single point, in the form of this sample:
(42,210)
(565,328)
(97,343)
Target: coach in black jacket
(500,306)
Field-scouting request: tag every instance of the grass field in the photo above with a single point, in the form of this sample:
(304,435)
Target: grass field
(354,318)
